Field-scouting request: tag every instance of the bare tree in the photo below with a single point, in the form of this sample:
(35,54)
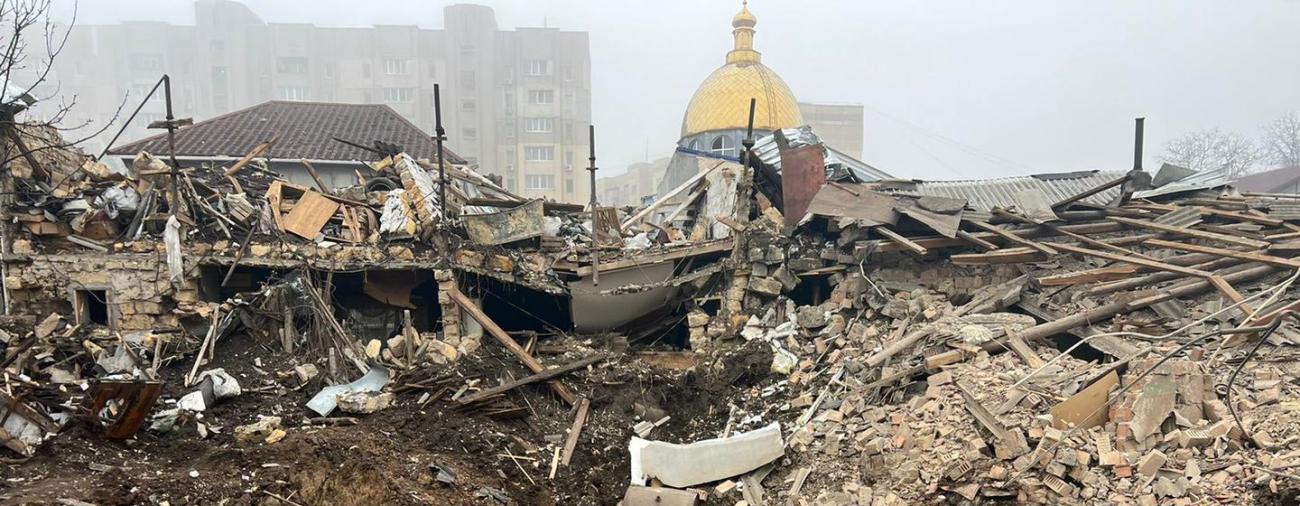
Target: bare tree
(1213,149)
(31,39)
(1281,142)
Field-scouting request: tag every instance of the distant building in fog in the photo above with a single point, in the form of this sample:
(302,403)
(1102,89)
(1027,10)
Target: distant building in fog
(629,188)
(516,102)
(838,125)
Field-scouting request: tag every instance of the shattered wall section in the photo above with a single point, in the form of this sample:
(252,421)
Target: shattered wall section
(137,292)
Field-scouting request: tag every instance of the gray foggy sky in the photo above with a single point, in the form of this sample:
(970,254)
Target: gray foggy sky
(952,89)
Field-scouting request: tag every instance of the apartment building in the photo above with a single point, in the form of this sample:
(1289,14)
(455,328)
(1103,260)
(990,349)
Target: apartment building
(515,102)
(838,125)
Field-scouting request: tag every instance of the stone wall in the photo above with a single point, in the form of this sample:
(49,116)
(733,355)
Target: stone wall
(139,296)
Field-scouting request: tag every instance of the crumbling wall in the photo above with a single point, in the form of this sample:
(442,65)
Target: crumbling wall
(139,297)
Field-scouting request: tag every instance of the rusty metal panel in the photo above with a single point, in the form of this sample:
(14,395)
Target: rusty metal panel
(803,173)
(855,201)
(514,224)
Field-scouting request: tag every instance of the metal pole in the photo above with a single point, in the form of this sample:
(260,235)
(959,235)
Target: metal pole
(172,190)
(1137,144)
(439,135)
(749,134)
(595,228)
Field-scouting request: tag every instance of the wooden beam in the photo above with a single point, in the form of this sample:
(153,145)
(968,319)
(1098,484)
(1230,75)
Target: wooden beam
(1160,266)
(315,177)
(1026,353)
(509,342)
(256,152)
(899,239)
(1090,192)
(1253,218)
(939,242)
(1078,237)
(1016,255)
(571,442)
(1111,273)
(668,196)
(533,378)
(1227,253)
(971,238)
(1199,234)
(1046,250)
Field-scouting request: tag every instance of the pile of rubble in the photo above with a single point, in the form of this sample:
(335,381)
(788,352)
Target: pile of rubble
(761,333)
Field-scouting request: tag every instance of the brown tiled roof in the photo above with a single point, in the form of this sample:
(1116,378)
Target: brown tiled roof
(303,129)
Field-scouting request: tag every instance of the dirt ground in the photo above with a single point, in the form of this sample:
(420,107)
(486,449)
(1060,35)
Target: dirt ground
(386,457)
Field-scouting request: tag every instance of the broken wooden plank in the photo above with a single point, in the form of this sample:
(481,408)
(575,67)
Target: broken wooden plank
(256,152)
(1046,250)
(973,239)
(1017,255)
(1090,192)
(509,342)
(1153,264)
(310,215)
(571,442)
(1026,353)
(899,239)
(533,378)
(981,414)
(1199,234)
(1243,255)
(668,196)
(315,177)
(936,241)
(1078,237)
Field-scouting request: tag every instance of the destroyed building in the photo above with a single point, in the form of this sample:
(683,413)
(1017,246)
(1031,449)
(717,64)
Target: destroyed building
(791,326)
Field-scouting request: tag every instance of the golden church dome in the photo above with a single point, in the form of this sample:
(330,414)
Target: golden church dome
(722,100)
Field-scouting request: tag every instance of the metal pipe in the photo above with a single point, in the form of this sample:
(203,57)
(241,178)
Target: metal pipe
(595,229)
(1137,145)
(173,190)
(439,134)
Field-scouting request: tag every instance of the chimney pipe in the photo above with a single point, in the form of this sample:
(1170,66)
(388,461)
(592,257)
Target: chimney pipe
(1137,145)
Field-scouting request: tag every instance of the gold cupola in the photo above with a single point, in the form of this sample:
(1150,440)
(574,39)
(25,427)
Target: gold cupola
(722,100)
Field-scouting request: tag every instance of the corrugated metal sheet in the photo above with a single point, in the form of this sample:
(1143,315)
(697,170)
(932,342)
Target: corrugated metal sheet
(985,194)
(767,151)
(1202,180)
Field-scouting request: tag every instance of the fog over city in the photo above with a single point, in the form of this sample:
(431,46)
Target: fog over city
(950,89)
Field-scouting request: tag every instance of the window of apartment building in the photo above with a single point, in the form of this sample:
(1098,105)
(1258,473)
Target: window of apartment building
(568,159)
(467,80)
(395,67)
(291,65)
(539,181)
(568,186)
(298,93)
(509,104)
(469,134)
(220,75)
(568,130)
(541,96)
(467,50)
(568,73)
(538,67)
(539,153)
(539,125)
(146,62)
(468,106)
(399,95)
